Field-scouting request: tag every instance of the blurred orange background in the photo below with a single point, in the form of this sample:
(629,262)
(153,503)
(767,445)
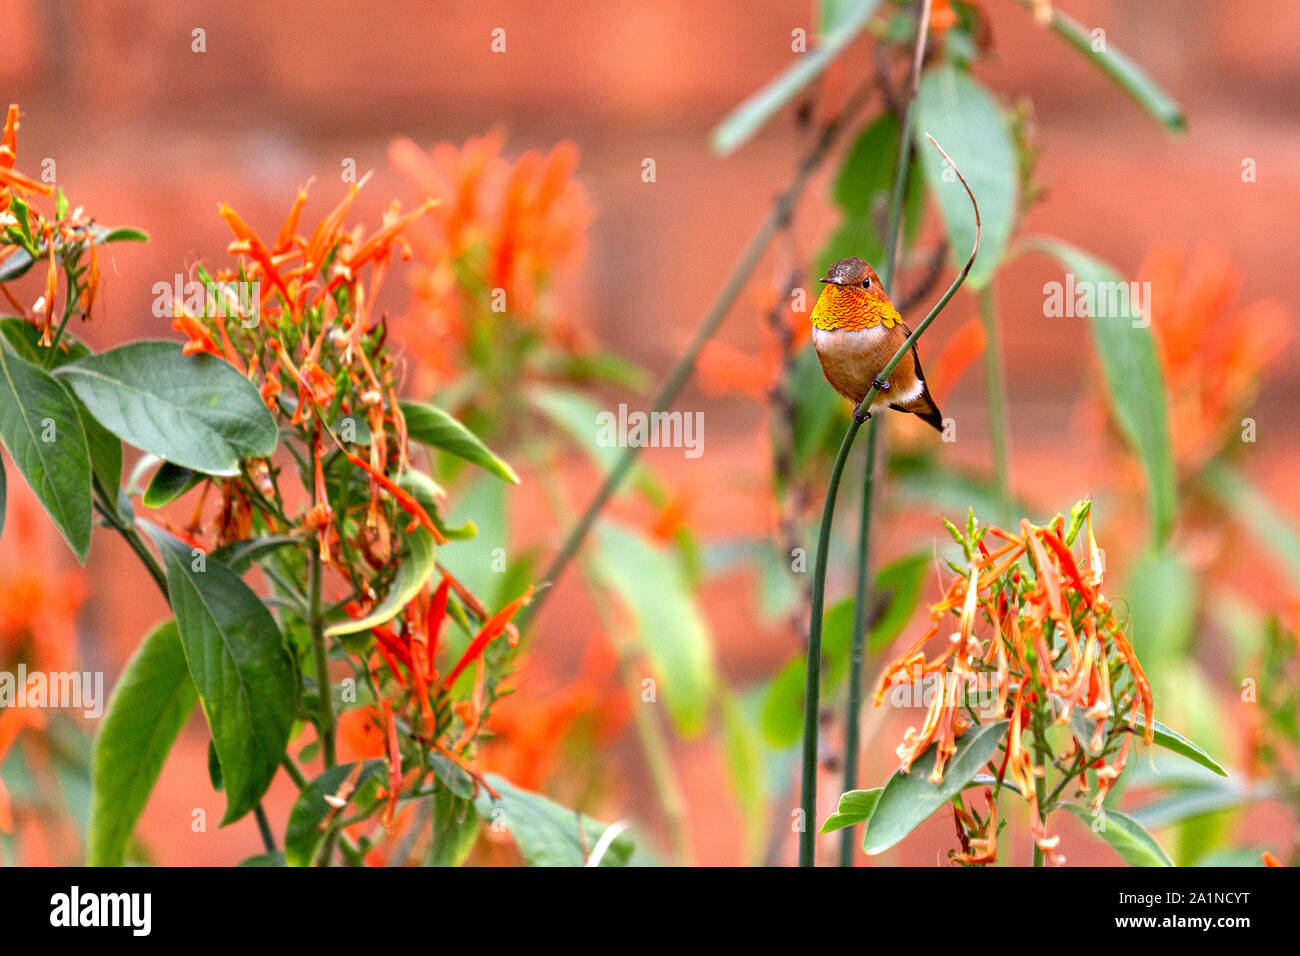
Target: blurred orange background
(148,133)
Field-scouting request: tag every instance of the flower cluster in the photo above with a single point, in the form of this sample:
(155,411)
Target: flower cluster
(1031,619)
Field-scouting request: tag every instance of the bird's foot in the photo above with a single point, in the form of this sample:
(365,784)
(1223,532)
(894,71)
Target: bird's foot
(861,415)
(879,385)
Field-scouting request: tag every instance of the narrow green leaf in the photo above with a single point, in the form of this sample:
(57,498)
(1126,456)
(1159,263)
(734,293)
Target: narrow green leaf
(743,751)
(41,427)
(303,835)
(239,555)
(149,706)
(968,123)
(1180,805)
(1252,508)
(196,411)
(1172,740)
(1122,70)
(667,622)
(168,483)
(908,799)
(855,807)
(246,679)
(1128,837)
(547,834)
(749,116)
(433,427)
(1134,381)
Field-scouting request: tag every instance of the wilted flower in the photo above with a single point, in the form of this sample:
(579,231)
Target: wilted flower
(1032,621)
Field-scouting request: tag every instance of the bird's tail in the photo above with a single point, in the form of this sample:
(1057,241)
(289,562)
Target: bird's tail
(923,407)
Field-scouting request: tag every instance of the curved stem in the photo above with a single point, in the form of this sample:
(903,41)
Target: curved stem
(685,366)
(320,653)
(807,835)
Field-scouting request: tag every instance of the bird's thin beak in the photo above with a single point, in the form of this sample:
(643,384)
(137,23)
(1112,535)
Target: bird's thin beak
(829,281)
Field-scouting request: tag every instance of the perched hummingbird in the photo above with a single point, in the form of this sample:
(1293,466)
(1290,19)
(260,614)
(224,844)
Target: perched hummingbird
(856,331)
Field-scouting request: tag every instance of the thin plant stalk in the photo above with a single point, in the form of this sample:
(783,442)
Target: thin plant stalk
(812,695)
(857,653)
(685,366)
(995,381)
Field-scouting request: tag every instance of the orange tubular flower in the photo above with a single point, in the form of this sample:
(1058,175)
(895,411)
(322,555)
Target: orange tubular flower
(494,627)
(12,181)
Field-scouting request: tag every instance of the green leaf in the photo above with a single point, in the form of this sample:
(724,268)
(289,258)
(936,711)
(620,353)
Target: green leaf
(749,116)
(547,833)
(123,234)
(455,828)
(192,410)
(246,679)
(1172,740)
(303,835)
(855,807)
(908,799)
(1162,597)
(1123,71)
(743,751)
(1134,381)
(1128,837)
(433,427)
(667,622)
(34,407)
(4,494)
(897,591)
(969,124)
(1181,805)
(239,555)
(1252,508)
(168,483)
(149,706)
(263,859)
(416,567)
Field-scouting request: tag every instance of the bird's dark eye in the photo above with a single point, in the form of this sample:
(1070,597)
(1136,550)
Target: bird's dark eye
(866,283)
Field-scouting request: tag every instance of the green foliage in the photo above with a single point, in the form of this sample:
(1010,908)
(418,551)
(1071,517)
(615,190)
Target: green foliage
(1128,837)
(968,123)
(41,428)
(1134,382)
(855,807)
(433,427)
(168,483)
(908,799)
(546,833)
(303,834)
(149,706)
(414,569)
(246,679)
(196,411)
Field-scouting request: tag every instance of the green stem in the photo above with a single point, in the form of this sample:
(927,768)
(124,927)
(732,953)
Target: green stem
(320,653)
(996,383)
(264,828)
(857,654)
(685,366)
(808,804)
(893,236)
(132,537)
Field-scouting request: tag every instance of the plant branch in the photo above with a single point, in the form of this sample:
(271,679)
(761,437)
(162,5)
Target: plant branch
(685,366)
(808,803)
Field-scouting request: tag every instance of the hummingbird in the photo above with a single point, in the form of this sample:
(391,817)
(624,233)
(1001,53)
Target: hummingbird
(856,331)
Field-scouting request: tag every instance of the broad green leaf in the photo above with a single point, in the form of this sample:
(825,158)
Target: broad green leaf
(908,799)
(896,592)
(196,411)
(486,504)
(168,483)
(455,828)
(1134,381)
(246,679)
(148,707)
(415,567)
(1128,837)
(303,835)
(433,427)
(848,21)
(1122,70)
(104,447)
(969,124)
(668,625)
(855,807)
(547,834)
(41,428)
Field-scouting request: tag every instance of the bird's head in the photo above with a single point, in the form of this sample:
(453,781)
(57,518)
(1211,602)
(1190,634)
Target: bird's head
(853,298)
